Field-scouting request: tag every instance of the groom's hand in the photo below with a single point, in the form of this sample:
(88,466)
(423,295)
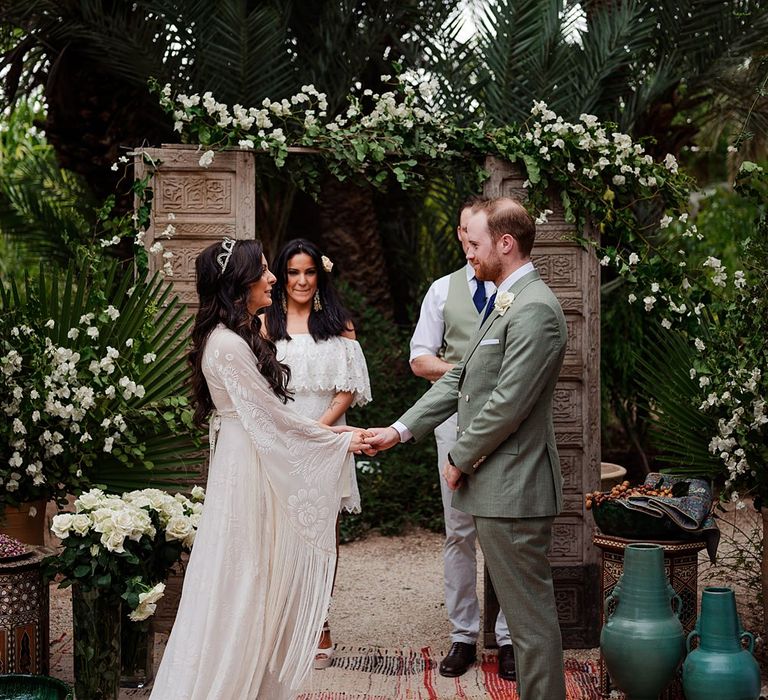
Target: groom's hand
(382,438)
(452,476)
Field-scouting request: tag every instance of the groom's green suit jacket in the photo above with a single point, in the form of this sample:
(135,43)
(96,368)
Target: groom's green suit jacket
(504,387)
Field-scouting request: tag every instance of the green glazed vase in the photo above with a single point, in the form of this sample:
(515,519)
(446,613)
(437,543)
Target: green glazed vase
(642,642)
(720,668)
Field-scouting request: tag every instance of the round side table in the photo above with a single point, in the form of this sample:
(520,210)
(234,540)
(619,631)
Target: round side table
(24,614)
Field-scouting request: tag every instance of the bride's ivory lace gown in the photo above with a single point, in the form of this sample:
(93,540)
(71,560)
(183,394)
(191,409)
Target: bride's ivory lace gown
(319,370)
(259,578)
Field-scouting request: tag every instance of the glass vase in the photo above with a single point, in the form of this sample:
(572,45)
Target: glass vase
(96,627)
(136,652)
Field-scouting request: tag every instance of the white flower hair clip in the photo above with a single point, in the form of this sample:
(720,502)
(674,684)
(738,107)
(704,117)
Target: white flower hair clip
(503,302)
(327,264)
(227,246)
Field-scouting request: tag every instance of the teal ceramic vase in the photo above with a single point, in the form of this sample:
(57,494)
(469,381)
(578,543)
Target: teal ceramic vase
(720,668)
(642,641)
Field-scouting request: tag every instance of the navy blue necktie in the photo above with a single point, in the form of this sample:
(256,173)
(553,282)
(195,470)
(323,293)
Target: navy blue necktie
(479,296)
(489,308)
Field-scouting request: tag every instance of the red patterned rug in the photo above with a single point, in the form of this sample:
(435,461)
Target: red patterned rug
(364,673)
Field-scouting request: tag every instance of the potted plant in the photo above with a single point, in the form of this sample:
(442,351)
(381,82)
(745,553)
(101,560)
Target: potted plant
(117,552)
(92,363)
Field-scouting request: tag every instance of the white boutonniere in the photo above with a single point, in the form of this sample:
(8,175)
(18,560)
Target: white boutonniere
(503,302)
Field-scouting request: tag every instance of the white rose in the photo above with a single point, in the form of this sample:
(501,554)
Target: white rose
(113,541)
(61,525)
(178,528)
(503,302)
(89,500)
(81,523)
(152,595)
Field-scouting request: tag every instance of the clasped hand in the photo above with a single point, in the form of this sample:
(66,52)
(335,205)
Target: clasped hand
(358,444)
(385,438)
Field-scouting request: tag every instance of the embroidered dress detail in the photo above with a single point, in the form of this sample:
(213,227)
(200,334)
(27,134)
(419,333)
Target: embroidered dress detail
(258,582)
(319,370)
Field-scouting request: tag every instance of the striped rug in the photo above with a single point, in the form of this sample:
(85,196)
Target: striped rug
(364,673)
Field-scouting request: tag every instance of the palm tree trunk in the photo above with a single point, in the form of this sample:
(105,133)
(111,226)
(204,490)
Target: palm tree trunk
(351,237)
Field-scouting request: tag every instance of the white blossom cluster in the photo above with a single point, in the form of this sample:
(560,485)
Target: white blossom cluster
(590,149)
(127,517)
(739,398)
(616,152)
(303,118)
(49,403)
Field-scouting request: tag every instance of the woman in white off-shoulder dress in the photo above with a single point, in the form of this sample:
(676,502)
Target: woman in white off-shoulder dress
(315,337)
(259,578)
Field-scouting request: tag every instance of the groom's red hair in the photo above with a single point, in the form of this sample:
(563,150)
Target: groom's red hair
(507,216)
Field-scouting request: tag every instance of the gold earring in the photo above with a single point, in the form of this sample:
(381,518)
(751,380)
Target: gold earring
(316,303)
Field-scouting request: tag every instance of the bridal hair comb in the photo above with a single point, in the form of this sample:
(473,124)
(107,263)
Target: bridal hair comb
(227,246)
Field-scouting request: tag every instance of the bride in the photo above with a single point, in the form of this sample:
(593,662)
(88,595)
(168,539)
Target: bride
(259,577)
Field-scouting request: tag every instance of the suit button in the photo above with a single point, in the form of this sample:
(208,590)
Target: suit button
(466,398)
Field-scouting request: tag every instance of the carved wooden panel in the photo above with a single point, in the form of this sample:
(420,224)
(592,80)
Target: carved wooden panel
(203,205)
(574,276)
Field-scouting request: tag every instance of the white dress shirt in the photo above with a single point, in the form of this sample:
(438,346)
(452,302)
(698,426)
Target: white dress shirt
(405,433)
(427,337)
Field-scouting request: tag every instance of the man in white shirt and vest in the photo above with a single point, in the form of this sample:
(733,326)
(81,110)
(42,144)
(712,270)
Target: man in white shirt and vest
(450,315)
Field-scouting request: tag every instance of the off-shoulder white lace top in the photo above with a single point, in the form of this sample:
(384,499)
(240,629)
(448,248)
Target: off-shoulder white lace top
(319,370)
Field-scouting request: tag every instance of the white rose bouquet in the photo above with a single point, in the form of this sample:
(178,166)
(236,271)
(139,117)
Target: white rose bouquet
(125,545)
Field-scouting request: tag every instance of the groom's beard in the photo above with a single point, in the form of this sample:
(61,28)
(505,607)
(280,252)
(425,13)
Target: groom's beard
(489,269)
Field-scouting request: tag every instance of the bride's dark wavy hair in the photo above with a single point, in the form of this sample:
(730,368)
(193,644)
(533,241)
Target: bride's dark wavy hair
(223,299)
(329,322)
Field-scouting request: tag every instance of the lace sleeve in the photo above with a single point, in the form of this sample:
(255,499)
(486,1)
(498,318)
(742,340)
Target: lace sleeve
(356,370)
(302,447)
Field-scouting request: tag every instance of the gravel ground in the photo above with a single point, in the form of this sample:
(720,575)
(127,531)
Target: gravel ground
(389,594)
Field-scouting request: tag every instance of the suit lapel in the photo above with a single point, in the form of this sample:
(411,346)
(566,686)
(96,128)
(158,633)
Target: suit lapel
(516,289)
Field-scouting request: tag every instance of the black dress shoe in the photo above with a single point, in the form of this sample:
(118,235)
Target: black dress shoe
(458,660)
(507,662)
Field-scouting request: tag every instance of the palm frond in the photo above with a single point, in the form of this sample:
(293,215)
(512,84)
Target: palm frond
(679,429)
(171,452)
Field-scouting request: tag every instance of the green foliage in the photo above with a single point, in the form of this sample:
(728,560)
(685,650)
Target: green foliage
(680,431)
(399,487)
(94,366)
(717,360)
(45,211)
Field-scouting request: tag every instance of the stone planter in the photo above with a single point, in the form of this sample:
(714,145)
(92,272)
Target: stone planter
(25,523)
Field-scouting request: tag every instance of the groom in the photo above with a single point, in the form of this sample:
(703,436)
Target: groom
(504,468)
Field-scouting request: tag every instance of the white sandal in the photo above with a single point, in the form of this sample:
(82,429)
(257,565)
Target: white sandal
(324,655)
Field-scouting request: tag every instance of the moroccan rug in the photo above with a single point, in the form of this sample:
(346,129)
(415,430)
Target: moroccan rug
(364,673)
(369,673)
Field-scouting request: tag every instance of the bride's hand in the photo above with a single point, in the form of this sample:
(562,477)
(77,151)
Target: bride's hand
(358,445)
